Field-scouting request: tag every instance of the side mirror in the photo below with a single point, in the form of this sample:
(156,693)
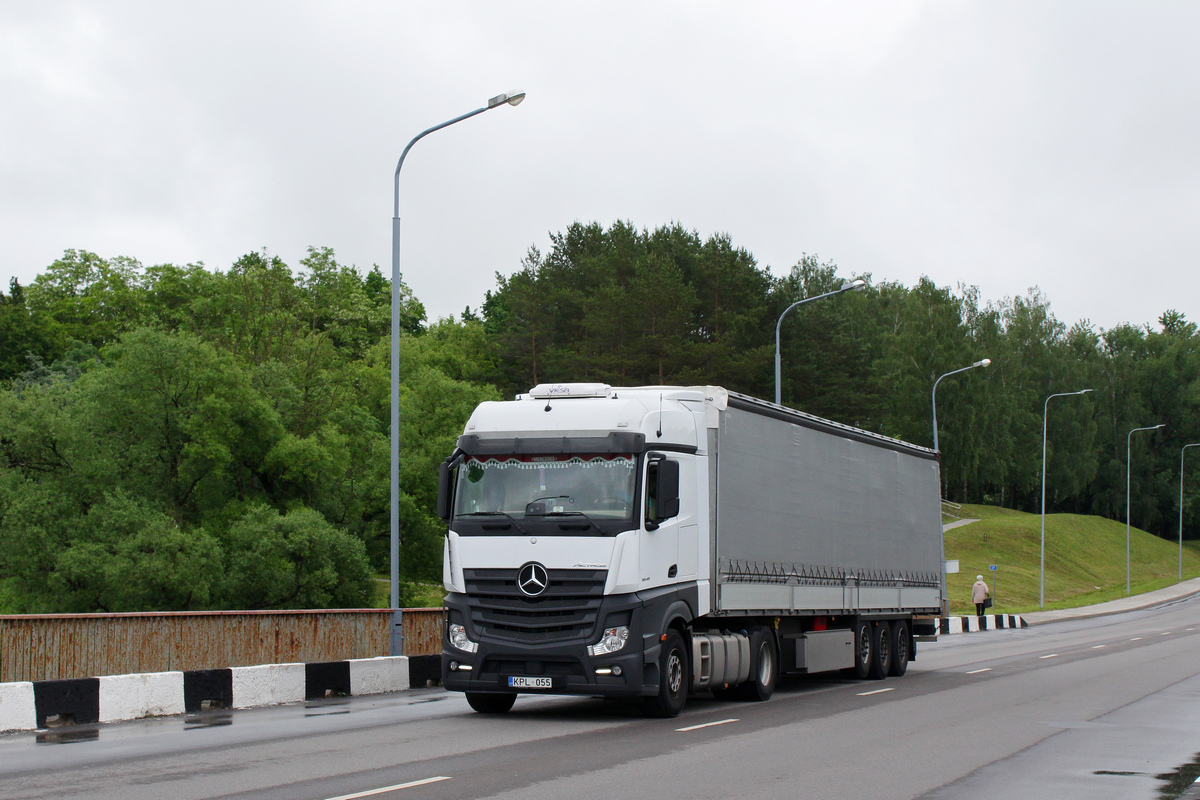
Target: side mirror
(662,486)
(445,473)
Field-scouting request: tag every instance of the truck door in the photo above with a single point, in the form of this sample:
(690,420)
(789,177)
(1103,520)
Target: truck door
(658,554)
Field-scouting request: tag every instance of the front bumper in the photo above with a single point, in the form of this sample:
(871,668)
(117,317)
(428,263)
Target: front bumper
(566,663)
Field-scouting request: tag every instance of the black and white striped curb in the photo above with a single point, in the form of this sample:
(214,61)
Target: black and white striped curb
(28,705)
(988,622)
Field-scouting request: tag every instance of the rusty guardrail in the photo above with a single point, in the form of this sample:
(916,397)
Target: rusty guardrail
(38,647)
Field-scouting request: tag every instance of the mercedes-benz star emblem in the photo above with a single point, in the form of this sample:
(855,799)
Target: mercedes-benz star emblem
(532,579)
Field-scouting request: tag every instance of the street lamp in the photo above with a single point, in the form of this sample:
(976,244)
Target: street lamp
(1045,412)
(396,644)
(1128,442)
(981,363)
(942,542)
(848,287)
(1185,447)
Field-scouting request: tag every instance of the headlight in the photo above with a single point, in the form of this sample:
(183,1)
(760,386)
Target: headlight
(458,638)
(612,641)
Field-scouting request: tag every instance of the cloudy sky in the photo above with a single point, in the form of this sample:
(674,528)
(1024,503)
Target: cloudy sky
(1005,145)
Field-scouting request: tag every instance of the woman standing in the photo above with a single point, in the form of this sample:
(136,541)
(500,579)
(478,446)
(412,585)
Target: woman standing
(979,594)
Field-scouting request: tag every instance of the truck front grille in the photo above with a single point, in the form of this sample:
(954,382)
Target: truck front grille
(566,610)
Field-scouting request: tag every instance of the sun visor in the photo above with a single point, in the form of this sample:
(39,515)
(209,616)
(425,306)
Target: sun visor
(546,445)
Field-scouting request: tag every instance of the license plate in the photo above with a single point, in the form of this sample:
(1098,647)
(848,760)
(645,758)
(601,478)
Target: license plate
(530,683)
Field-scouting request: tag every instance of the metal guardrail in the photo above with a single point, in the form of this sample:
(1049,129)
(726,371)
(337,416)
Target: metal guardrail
(38,647)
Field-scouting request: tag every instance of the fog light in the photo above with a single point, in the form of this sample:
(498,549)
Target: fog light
(612,641)
(454,666)
(616,670)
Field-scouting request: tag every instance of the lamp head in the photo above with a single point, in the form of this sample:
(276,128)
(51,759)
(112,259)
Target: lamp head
(854,286)
(1084,391)
(512,98)
(982,363)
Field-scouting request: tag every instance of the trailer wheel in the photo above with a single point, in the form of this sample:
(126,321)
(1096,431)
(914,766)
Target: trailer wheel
(490,703)
(901,648)
(881,645)
(864,651)
(672,679)
(763,667)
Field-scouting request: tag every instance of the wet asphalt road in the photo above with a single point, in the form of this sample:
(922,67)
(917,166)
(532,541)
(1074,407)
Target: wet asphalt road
(1098,708)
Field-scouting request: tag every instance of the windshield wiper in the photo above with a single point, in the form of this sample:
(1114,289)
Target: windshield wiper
(508,517)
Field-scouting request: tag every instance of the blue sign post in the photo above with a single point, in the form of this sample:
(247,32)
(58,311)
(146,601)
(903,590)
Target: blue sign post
(995,574)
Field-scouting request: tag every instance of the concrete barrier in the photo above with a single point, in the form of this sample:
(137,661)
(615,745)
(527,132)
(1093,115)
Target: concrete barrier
(148,694)
(378,675)
(17,708)
(973,624)
(25,705)
(267,685)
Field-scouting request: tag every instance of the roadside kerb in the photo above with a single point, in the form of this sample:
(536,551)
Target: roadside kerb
(1178,591)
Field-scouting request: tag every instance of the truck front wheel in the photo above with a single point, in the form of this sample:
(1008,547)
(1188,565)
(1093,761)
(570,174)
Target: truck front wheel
(672,679)
(490,703)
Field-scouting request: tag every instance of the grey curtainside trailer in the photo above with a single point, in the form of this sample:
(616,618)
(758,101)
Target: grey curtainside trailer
(814,517)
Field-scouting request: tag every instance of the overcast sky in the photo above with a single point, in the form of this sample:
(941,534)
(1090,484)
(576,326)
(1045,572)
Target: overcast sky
(1004,145)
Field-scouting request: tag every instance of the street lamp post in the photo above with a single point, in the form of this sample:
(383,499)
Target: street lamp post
(1128,450)
(981,363)
(852,286)
(1045,412)
(396,644)
(1181,451)
(942,541)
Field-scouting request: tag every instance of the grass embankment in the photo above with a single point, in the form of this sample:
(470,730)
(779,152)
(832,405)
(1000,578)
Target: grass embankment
(1085,559)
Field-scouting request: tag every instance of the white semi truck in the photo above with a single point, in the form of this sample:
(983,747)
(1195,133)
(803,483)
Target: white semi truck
(655,541)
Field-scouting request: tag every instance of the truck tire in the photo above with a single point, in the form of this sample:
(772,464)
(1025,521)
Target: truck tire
(881,649)
(490,703)
(864,651)
(672,679)
(764,666)
(901,648)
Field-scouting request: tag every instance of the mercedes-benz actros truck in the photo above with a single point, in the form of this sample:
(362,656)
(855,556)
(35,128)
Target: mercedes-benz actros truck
(657,541)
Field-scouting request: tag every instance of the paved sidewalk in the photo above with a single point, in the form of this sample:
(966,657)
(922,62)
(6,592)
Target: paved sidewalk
(1133,603)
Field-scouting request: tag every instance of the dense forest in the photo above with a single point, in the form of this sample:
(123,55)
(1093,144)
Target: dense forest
(173,437)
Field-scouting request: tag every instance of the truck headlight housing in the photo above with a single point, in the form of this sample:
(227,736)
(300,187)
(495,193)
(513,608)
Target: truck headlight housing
(460,640)
(612,641)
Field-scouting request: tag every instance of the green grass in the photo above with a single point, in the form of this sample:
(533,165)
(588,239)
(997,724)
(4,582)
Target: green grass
(1085,559)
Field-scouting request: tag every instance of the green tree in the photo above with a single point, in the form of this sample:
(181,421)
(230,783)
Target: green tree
(294,560)
(25,333)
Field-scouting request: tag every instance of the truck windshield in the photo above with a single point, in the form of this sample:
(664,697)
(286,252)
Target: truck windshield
(563,494)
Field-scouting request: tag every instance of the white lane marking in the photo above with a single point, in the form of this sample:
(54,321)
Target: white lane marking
(705,725)
(1098,646)
(877,691)
(1052,655)
(386,789)
(1165,633)
(977,671)
(1134,639)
